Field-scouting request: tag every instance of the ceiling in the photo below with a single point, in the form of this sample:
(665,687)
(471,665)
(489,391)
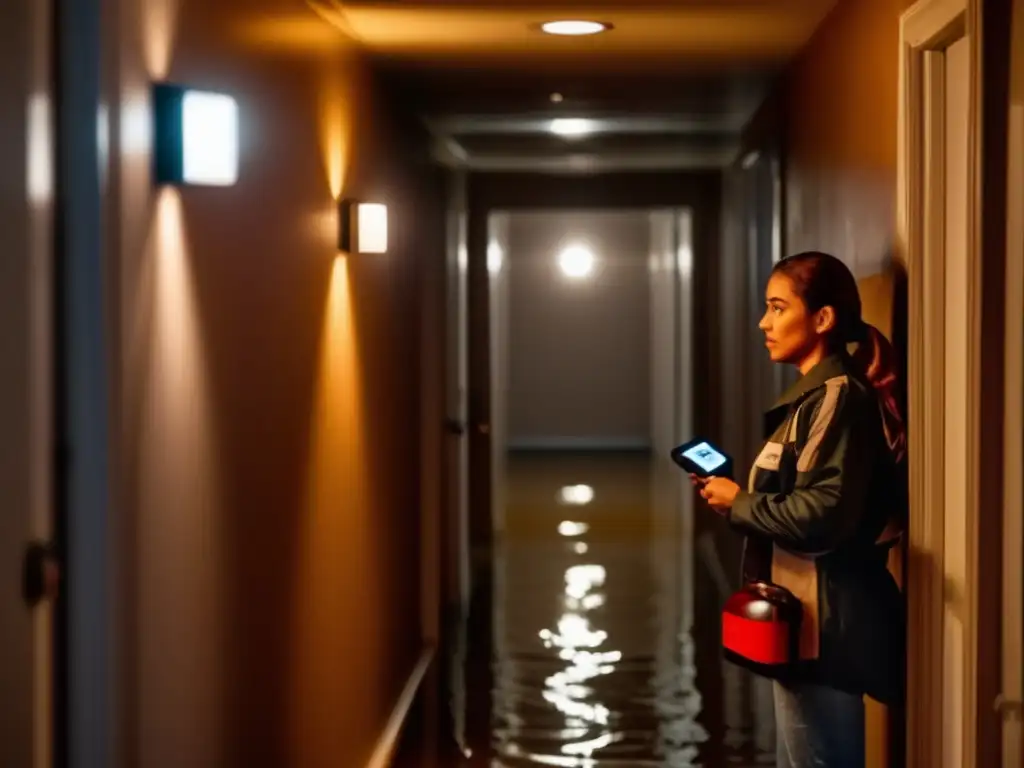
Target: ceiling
(669,86)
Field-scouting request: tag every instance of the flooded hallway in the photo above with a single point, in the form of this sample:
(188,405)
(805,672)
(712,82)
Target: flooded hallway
(346,343)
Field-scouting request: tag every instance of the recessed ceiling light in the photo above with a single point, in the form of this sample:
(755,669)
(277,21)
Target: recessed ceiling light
(574,27)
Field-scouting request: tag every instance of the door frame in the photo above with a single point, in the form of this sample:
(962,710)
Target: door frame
(1013,457)
(929,26)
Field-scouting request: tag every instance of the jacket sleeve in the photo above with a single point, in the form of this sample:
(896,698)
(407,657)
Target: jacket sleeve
(833,467)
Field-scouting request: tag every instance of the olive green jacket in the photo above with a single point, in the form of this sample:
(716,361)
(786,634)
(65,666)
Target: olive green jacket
(818,513)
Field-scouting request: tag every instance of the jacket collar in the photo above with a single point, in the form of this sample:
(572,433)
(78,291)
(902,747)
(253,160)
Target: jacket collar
(828,368)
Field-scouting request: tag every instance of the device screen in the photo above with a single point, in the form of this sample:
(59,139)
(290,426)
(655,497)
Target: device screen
(705,457)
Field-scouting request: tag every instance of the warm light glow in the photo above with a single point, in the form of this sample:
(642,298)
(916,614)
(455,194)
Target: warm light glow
(576,261)
(209,133)
(159,30)
(372,228)
(556,98)
(337,512)
(573,27)
(40,150)
(335,98)
(136,126)
(572,127)
(172,424)
(576,495)
(495,258)
(299,32)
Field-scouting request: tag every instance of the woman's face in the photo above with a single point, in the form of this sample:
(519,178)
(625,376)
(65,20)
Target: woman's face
(791,333)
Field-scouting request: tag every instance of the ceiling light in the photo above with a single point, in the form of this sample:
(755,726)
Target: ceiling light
(574,27)
(572,127)
(556,98)
(576,261)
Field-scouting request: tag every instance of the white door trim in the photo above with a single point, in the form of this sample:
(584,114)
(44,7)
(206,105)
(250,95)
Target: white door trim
(929,26)
(1013,448)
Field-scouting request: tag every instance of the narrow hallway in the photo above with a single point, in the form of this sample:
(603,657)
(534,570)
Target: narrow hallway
(258,366)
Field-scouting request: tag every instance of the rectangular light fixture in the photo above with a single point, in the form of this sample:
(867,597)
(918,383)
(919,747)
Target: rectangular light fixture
(363,227)
(195,137)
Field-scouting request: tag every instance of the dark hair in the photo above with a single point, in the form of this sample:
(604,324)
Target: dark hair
(822,280)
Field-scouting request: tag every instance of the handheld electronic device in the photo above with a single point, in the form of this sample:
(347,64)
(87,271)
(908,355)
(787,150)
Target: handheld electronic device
(702,458)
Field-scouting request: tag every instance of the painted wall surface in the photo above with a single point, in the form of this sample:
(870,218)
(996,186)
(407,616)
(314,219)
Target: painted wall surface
(267,392)
(579,349)
(840,111)
(663,332)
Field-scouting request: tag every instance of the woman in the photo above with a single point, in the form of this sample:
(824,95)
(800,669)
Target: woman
(826,499)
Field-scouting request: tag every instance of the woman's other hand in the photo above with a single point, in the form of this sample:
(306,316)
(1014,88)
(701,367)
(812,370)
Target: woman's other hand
(720,493)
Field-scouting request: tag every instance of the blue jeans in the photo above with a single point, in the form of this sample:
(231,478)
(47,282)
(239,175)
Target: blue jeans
(818,727)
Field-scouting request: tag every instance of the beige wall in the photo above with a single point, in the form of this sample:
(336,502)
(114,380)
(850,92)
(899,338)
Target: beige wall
(664,344)
(266,387)
(841,104)
(579,350)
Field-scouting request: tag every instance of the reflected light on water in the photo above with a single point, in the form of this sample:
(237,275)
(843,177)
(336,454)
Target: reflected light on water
(569,528)
(602,652)
(567,689)
(576,495)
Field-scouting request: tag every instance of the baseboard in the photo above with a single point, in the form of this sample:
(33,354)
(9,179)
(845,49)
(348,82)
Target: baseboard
(384,753)
(579,444)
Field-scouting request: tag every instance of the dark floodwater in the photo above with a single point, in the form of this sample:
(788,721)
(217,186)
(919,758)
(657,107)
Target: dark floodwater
(596,644)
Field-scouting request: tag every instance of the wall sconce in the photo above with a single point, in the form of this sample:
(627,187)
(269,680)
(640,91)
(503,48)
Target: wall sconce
(363,227)
(195,137)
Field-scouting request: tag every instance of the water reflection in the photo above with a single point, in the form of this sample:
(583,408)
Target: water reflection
(604,630)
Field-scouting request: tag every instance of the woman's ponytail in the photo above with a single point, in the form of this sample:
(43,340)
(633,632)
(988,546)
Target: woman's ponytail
(821,280)
(876,358)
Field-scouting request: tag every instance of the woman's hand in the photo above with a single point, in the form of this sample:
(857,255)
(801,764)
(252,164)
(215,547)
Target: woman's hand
(719,492)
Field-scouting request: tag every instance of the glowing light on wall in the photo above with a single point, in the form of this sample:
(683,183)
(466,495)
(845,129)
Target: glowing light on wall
(373,228)
(495,258)
(576,261)
(196,137)
(574,27)
(40,150)
(363,227)
(337,507)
